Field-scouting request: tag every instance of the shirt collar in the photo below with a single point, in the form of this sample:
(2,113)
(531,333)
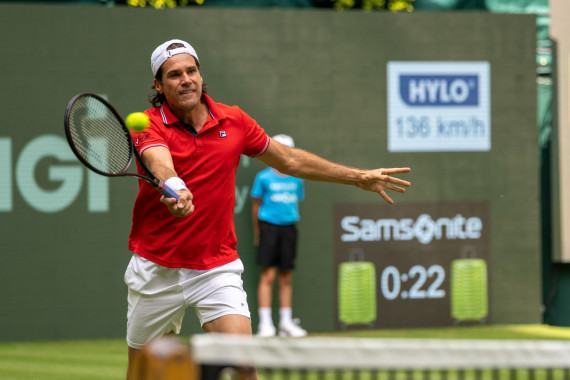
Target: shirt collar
(169,118)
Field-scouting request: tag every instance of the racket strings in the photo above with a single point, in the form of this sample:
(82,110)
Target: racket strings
(98,136)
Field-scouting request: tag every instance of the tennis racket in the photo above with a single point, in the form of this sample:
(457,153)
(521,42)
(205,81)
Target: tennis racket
(100,139)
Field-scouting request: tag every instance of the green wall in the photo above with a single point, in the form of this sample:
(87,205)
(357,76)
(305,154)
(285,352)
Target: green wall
(319,76)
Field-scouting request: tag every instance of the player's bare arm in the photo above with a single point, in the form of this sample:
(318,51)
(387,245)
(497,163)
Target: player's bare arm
(306,165)
(159,161)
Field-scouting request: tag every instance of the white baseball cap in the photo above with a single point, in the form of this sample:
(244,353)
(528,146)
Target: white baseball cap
(161,54)
(285,140)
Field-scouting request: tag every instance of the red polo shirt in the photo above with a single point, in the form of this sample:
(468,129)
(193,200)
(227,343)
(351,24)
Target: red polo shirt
(207,163)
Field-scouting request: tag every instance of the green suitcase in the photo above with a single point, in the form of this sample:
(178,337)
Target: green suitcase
(469,296)
(357,293)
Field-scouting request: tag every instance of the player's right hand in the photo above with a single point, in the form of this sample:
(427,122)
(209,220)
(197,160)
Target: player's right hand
(182,207)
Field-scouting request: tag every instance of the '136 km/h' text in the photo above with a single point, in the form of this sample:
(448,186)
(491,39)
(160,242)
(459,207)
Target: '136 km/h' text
(424,127)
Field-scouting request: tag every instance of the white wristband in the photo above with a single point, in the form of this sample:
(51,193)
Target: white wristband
(175,184)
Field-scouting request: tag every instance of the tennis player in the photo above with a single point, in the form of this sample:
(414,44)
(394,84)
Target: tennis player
(184,252)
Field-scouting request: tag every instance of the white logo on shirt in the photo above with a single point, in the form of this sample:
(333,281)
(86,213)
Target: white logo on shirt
(284,198)
(283,186)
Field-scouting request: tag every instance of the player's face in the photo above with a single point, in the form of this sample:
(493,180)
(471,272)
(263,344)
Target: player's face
(181,82)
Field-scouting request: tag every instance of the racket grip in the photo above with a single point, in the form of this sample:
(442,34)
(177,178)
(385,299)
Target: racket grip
(167,191)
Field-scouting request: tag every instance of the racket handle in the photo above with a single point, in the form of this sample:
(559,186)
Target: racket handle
(167,191)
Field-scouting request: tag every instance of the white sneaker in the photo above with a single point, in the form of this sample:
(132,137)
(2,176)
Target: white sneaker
(292,329)
(266,330)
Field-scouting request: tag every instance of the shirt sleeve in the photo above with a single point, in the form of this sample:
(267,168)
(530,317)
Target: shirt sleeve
(257,140)
(150,137)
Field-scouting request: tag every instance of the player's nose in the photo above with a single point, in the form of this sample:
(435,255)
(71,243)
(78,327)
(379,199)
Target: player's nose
(185,78)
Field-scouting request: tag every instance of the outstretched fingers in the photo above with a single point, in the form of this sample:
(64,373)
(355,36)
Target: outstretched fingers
(379,180)
(392,181)
(399,189)
(395,170)
(386,197)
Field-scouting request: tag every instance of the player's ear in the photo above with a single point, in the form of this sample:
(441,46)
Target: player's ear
(158,85)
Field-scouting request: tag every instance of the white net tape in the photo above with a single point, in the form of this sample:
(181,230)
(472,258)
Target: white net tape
(378,353)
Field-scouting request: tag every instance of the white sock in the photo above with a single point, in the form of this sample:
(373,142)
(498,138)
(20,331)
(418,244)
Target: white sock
(285,316)
(265,316)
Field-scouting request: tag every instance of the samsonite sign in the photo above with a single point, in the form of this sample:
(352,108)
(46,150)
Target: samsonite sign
(430,264)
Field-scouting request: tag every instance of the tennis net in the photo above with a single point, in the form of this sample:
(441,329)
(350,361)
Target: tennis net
(334,358)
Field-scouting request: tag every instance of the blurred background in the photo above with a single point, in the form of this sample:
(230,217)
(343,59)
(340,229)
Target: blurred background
(471,94)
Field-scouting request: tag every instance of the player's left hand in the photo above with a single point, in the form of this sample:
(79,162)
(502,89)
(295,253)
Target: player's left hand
(379,179)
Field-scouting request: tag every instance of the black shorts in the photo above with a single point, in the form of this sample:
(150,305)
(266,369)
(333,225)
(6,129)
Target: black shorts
(277,246)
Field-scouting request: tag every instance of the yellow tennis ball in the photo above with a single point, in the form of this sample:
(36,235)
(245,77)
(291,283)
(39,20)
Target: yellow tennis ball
(137,121)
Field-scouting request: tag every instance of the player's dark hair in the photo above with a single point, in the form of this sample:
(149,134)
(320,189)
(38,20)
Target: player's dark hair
(157,99)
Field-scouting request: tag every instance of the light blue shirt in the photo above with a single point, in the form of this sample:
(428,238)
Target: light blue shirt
(280,196)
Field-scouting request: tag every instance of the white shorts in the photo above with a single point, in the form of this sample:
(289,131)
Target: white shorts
(158,297)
